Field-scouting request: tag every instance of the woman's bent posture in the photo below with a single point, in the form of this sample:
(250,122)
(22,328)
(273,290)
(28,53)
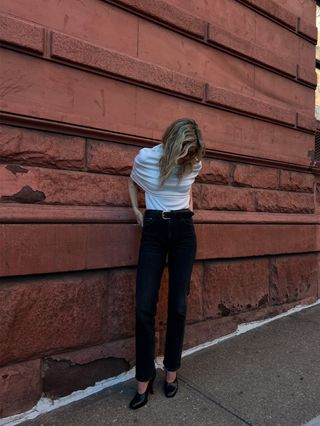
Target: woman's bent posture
(166,173)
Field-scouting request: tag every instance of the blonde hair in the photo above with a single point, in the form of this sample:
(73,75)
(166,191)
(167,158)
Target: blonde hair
(181,136)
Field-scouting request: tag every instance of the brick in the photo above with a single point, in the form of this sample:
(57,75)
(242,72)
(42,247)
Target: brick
(204,331)
(120,305)
(231,41)
(108,157)
(232,287)
(275,10)
(41,148)
(222,197)
(130,107)
(34,184)
(94,21)
(254,176)
(20,387)
(286,202)
(232,240)
(43,315)
(67,247)
(83,53)
(296,181)
(249,104)
(214,171)
(164,11)
(20,33)
(293,278)
(124,348)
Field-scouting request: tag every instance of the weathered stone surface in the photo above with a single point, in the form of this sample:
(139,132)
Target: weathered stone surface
(234,286)
(124,349)
(43,315)
(61,378)
(222,197)
(20,387)
(32,147)
(205,331)
(168,13)
(216,95)
(214,171)
(84,53)
(254,176)
(119,307)
(86,20)
(108,157)
(62,187)
(286,202)
(293,278)
(24,34)
(295,181)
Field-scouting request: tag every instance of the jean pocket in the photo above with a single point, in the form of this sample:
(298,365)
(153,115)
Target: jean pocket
(148,220)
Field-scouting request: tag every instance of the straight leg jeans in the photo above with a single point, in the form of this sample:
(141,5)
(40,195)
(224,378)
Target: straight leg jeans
(174,237)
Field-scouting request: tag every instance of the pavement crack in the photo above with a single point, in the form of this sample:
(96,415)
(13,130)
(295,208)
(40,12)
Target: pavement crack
(194,387)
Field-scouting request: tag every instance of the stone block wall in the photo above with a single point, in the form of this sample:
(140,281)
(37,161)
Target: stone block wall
(84,85)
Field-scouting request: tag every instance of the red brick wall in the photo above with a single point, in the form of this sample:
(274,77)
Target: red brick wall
(84,85)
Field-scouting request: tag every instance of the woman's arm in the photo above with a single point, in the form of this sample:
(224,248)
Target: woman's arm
(133,193)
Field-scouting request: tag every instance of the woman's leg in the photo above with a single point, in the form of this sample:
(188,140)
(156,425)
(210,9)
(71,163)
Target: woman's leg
(181,256)
(152,256)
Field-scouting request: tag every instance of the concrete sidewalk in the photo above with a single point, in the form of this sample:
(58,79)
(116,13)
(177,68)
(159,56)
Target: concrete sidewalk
(269,375)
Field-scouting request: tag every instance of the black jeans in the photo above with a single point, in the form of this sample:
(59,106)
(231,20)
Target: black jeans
(174,236)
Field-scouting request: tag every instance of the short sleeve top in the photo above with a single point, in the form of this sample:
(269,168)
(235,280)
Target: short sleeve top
(173,195)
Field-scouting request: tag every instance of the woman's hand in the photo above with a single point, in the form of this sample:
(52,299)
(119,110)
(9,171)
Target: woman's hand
(139,216)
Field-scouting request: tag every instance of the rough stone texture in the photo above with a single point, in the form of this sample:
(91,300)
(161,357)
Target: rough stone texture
(204,331)
(41,148)
(232,287)
(126,107)
(47,314)
(119,308)
(168,13)
(20,387)
(124,349)
(62,187)
(295,181)
(254,176)
(60,378)
(83,53)
(17,32)
(222,197)
(285,202)
(107,157)
(247,103)
(221,36)
(86,20)
(214,171)
(293,278)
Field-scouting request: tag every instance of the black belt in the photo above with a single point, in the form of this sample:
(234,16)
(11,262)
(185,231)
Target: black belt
(168,214)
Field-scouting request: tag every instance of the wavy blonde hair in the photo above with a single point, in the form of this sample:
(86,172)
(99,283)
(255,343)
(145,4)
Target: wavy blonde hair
(182,148)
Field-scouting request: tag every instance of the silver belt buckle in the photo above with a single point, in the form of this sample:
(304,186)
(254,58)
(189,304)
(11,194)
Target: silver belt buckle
(162,214)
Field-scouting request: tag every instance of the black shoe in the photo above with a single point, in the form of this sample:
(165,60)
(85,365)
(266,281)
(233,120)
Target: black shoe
(141,399)
(170,389)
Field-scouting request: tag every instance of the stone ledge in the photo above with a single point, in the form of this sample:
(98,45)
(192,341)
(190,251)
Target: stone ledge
(21,33)
(83,53)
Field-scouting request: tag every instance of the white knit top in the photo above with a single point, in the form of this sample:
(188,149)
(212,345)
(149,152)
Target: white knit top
(146,172)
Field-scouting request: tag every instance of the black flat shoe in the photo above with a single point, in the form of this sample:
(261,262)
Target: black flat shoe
(140,399)
(170,389)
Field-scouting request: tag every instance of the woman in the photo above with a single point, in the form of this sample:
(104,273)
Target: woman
(166,173)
